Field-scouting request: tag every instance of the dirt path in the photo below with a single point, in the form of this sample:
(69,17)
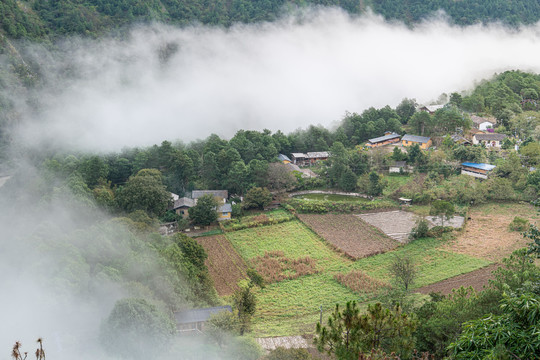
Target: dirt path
(477,279)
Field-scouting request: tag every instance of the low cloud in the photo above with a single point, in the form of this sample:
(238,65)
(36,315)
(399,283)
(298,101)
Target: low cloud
(163,82)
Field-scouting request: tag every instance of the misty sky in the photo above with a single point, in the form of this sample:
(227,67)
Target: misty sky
(107,94)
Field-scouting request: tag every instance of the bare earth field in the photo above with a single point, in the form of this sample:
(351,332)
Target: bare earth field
(487,235)
(477,279)
(349,234)
(226,267)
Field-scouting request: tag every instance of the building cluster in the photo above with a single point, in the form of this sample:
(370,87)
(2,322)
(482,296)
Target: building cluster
(182,205)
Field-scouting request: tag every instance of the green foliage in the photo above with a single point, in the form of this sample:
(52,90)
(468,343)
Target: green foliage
(518,269)
(514,333)
(519,224)
(324,206)
(258,198)
(403,270)
(348,333)
(442,209)
(376,185)
(534,234)
(136,329)
(255,278)
(204,212)
(440,319)
(144,191)
(245,304)
(243,348)
(420,229)
(347,181)
(222,326)
(193,251)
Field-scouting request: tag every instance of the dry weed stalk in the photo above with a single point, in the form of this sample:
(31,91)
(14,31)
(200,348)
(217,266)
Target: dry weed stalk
(16,352)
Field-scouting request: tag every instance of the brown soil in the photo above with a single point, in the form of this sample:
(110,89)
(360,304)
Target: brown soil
(349,234)
(477,279)
(226,267)
(486,234)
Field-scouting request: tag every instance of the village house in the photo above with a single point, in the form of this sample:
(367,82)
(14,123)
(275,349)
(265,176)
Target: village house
(482,123)
(310,158)
(284,159)
(422,141)
(460,140)
(430,108)
(298,158)
(182,205)
(194,321)
(478,170)
(489,139)
(224,212)
(220,195)
(388,138)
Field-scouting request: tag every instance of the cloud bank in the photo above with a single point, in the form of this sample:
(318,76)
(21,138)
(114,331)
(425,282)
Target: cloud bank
(172,83)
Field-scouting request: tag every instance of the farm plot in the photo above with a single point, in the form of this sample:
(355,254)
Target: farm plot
(477,279)
(395,224)
(487,235)
(349,234)
(226,267)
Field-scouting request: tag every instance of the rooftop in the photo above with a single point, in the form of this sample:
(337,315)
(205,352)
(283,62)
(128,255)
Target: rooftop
(492,136)
(384,138)
(480,166)
(184,201)
(298,155)
(282,157)
(198,315)
(416,138)
(318,154)
(224,194)
(225,208)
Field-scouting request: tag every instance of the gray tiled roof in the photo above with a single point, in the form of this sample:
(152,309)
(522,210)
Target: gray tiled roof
(416,138)
(490,137)
(384,138)
(224,194)
(184,201)
(225,208)
(318,154)
(282,157)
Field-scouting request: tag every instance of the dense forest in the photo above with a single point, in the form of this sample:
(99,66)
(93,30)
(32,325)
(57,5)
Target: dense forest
(47,19)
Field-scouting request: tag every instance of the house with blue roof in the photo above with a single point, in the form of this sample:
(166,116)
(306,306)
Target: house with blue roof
(478,170)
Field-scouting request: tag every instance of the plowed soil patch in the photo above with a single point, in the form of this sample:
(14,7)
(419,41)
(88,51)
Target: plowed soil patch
(226,267)
(349,234)
(477,279)
(487,235)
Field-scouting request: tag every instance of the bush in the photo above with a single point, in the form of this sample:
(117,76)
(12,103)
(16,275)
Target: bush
(420,230)
(438,231)
(519,224)
(281,353)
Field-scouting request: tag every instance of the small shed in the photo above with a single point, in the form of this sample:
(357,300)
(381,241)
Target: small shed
(405,201)
(298,158)
(182,205)
(478,170)
(195,320)
(224,212)
(313,157)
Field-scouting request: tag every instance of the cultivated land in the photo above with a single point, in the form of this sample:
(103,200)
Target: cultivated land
(349,234)
(395,224)
(226,267)
(477,279)
(291,307)
(487,235)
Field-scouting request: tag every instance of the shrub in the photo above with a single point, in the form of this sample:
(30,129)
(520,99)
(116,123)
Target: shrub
(519,224)
(420,230)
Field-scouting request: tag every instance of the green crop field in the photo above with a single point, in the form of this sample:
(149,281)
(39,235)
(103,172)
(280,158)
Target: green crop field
(291,307)
(332,197)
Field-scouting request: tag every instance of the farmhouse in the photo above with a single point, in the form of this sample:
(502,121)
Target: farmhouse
(182,205)
(221,195)
(388,138)
(423,141)
(298,158)
(482,123)
(313,157)
(284,159)
(478,170)
(430,108)
(489,140)
(310,158)
(195,320)
(460,140)
(224,212)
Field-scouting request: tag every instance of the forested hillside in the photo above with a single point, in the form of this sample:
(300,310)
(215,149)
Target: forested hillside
(41,19)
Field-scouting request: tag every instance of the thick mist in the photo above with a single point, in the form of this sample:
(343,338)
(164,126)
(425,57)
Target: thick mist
(161,82)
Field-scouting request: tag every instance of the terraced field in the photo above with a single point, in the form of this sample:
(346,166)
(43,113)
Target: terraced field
(226,267)
(349,234)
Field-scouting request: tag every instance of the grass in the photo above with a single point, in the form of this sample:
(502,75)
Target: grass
(395,182)
(291,307)
(209,233)
(332,197)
